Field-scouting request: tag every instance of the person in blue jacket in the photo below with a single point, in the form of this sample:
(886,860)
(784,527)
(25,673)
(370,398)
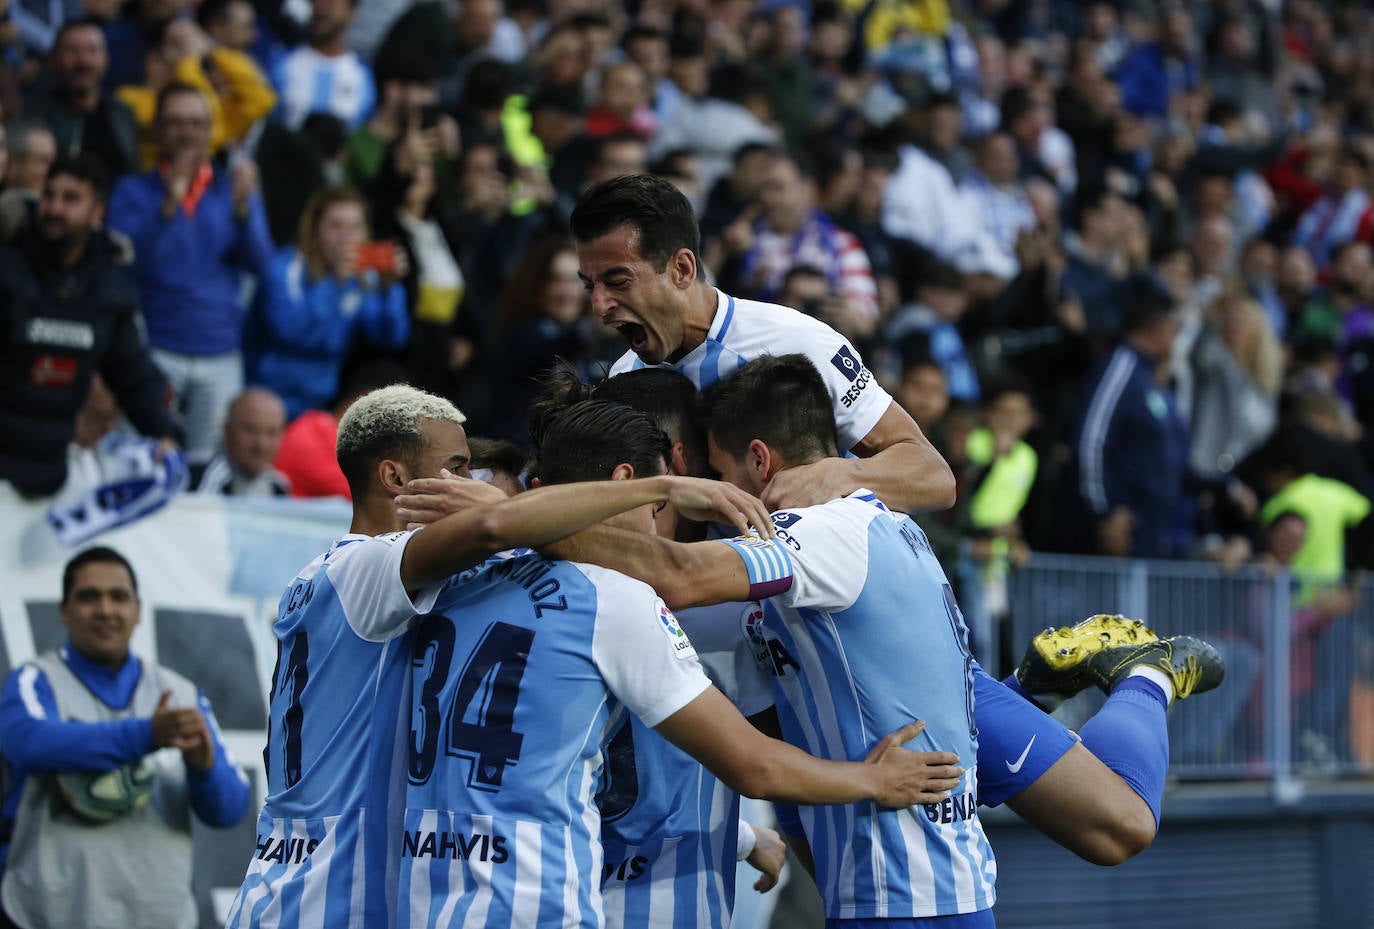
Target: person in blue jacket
(78,849)
(1132,439)
(198,228)
(317,299)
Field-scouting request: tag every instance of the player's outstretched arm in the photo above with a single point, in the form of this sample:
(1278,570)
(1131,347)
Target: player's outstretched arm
(896,461)
(713,732)
(537,517)
(684,574)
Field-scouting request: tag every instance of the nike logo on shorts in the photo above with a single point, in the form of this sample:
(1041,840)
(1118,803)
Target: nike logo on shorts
(1013,768)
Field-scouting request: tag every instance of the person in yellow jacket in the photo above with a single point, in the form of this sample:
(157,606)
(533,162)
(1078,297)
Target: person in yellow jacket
(235,88)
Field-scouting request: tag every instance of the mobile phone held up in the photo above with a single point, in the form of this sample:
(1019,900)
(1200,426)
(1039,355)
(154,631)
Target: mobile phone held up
(377,256)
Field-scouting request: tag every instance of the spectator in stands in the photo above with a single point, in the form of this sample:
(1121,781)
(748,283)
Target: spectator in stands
(231,83)
(306,456)
(72,716)
(81,115)
(790,231)
(32,150)
(252,437)
(404,209)
(71,307)
(928,326)
(230,24)
(1334,512)
(324,75)
(622,104)
(1096,264)
(1132,441)
(1343,212)
(1152,73)
(923,391)
(542,320)
(408,90)
(320,298)
(197,229)
(1001,202)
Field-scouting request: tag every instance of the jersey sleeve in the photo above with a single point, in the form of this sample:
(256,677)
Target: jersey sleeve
(367,576)
(857,398)
(643,654)
(829,552)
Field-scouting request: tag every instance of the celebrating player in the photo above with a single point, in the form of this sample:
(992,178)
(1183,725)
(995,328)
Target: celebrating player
(521,671)
(340,675)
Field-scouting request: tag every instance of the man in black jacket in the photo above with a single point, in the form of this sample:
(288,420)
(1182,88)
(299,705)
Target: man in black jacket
(68,308)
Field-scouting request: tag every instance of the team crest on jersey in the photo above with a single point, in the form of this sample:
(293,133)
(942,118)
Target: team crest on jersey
(682,646)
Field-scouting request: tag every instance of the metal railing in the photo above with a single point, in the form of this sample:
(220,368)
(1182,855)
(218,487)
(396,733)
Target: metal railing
(1298,699)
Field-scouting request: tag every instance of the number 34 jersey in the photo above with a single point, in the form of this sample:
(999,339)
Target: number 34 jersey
(520,674)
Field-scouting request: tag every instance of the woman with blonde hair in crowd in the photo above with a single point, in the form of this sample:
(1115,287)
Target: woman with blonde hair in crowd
(320,297)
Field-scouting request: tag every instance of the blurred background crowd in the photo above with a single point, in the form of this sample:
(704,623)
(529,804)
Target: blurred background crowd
(1114,257)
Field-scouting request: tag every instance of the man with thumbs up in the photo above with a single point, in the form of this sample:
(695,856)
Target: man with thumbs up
(105,756)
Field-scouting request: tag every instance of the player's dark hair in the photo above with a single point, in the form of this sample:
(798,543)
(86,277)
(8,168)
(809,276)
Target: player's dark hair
(586,441)
(779,399)
(650,205)
(97,555)
(499,455)
(84,167)
(668,397)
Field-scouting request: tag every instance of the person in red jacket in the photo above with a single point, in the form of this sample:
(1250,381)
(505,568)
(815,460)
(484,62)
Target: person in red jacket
(306,455)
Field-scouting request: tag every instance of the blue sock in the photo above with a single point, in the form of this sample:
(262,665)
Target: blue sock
(1015,686)
(1130,736)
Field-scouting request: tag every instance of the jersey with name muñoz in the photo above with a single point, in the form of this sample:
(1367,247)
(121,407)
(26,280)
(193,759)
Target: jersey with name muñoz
(670,828)
(743,330)
(337,688)
(521,673)
(868,639)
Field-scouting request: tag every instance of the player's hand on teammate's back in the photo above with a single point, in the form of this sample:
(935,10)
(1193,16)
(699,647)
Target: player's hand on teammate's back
(768,856)
(811,484)
(702,500)
(913,777)
(430,499)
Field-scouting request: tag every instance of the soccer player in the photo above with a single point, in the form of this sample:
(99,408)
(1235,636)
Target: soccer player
(340,676)
(637,243)
(521,671)
(849,649)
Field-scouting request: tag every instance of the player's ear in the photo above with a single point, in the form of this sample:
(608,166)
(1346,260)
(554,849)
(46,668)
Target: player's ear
(393,476)
(683,268)
(623,472)
(760,459)
(678,464)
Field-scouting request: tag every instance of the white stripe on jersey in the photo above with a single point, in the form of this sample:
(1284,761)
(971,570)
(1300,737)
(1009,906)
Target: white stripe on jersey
(476,916)
(315,891)
(914,838)
(529,864)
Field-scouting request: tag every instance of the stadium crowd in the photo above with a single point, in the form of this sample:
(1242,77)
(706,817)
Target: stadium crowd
(1113,257)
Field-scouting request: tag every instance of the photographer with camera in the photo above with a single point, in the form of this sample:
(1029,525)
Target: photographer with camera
(319,297)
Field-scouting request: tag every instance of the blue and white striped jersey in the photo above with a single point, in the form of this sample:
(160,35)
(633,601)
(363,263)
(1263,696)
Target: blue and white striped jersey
(669,827)
(521,674)
(337,689)
(868,639)
(742,330)
(308,82)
